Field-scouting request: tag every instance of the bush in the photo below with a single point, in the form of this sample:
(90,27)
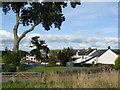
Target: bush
(11,61)
(7,58)
(22,67)
(111,65)
(8,68)
(11,58)
(117,63)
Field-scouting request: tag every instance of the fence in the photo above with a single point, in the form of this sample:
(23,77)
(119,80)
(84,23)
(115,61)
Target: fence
(25,76)
(22,76)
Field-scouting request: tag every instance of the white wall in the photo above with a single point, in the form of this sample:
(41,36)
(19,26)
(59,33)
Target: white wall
(93,59)
(81,58)
(108,57)
(32,58)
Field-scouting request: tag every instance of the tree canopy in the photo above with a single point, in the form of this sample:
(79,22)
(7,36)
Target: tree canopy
(65,55)
(47,14)
(41,51)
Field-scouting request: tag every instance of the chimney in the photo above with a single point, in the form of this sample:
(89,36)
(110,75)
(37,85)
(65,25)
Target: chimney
(108,47)
(77,53)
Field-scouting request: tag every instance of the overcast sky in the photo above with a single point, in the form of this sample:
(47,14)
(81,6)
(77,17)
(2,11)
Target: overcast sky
(91,24)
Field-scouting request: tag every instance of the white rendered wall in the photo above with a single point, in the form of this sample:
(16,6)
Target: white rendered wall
(91,61)
(108,57)
(81,58)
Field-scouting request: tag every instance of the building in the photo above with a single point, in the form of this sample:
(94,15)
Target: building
(31,57)
(95,56)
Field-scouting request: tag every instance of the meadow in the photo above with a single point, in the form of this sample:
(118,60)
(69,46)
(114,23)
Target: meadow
(67,80)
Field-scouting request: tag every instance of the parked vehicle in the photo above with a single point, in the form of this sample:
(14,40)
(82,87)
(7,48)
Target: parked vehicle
(43,63)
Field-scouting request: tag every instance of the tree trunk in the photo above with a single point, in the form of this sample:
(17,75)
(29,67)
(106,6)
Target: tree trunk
(16,45)
(15,29)
(16,38)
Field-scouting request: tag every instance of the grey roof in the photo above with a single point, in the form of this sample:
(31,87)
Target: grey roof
(116,51)
(98,53)
(85,52)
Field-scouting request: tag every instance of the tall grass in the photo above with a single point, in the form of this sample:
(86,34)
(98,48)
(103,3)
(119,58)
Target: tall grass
(67,80)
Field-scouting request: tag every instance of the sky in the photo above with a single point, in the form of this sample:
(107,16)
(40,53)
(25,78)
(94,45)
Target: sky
(91,24)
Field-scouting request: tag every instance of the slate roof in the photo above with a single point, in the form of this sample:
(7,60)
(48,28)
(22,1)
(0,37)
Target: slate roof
(98,53)
(85,52)
(116,51)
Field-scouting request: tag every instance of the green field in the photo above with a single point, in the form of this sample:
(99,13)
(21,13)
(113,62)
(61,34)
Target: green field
(50,68)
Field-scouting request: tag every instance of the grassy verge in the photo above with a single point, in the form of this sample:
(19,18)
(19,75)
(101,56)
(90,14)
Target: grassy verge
(76,80)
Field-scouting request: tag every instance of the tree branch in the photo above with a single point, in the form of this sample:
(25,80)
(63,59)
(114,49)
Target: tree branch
(25,32)
(23,16)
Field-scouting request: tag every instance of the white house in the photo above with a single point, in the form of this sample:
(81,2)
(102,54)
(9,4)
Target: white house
(31,58)
(95,56)
(105,57)
(83,55)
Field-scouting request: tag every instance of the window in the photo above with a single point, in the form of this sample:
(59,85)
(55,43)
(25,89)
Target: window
(31,58)
(82,57)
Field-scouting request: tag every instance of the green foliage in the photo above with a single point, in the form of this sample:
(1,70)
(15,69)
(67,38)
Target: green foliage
(22,53)
(65,55)
(8,68)
(41,50)
(22,67)
(117,63)
(11,60)
(45,13)
(111,65)
(6,51)
(53,57)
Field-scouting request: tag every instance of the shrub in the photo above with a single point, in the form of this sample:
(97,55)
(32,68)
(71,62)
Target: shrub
(7,58)
(117,63)
(22,67)
(11,61)
(8,68)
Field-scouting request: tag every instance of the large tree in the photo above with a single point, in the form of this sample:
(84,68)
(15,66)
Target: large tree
(41,49)
(35,13)
(65,55)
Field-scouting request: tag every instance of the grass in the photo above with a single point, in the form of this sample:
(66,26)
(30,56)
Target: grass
(35,84)
(76,80)
(50,69)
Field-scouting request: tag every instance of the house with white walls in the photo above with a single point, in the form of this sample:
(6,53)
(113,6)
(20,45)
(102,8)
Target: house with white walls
(102,56)
(81,56)
(31,57)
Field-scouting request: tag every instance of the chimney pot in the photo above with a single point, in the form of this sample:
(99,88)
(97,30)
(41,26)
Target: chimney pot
(108,47)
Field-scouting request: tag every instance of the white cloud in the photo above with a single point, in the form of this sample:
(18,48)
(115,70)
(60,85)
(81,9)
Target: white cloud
(100,0)
(83,45)
(60,41)
(4,35)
